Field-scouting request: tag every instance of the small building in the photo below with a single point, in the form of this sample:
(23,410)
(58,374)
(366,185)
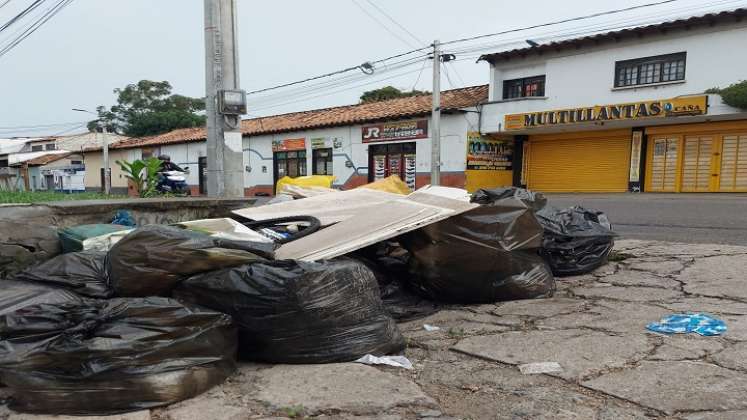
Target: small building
(625,110)
(356,144)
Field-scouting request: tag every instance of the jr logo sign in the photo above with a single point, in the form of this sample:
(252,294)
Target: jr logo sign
(395,131)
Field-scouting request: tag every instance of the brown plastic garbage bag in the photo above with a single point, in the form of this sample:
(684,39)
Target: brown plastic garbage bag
(108,357)
(151,260)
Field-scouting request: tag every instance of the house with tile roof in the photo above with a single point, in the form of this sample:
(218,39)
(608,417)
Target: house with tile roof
(356,144)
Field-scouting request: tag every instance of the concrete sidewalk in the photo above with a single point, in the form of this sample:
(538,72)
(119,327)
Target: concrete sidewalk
(594,328)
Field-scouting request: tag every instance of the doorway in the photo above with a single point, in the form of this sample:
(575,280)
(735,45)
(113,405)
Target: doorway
(385,160)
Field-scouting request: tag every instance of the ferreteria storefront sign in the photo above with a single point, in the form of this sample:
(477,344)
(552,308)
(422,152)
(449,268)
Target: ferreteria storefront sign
(690,105)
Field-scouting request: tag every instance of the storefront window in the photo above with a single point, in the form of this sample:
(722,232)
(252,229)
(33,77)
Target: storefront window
(322,159)
(292,164)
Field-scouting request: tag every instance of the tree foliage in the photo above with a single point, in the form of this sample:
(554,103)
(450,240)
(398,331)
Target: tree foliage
(388,92)
(733,95)
(148,108)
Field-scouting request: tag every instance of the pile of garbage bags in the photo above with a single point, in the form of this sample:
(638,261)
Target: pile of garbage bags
(161,313)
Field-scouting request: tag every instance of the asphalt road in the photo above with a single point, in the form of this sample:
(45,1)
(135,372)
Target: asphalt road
(689,218)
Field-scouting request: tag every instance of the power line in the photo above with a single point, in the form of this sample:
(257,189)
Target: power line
(391,19)
(380,23)
(425,62)
(49,14)
(20,15)
(26,127)
(4,3)
(359,67)
(558,22)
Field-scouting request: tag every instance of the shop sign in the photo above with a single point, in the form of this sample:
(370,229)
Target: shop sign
(635,156)
(407,130)
(486,154)
(288,145)
(321,143)
(676,107)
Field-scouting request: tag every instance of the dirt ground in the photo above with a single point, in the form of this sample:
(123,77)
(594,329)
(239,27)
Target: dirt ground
(595,328)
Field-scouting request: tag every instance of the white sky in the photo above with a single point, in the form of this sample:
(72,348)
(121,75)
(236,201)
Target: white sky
(94,46)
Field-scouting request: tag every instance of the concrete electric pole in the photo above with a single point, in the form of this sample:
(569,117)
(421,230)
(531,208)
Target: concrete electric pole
(225,103)
(105,150)
(436,117)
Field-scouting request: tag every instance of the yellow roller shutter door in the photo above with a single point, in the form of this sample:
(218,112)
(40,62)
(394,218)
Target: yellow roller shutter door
(583,164)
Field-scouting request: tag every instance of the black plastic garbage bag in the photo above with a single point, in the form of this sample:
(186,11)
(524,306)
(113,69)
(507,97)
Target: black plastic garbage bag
(107,357)
(151,260)
(577,240)
(485,255)
(81,272)
(15,295)
(388,262)
(296,312)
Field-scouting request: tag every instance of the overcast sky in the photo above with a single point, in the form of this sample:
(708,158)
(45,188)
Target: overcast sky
(94,46)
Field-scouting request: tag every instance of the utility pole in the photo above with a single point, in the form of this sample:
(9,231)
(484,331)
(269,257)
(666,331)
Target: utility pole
(225,156)
(436,116)
(105,149)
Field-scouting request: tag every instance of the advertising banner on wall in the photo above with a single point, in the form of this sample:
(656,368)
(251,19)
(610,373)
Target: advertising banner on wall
(393,131)
(675,107)
(288,145)
(486,154)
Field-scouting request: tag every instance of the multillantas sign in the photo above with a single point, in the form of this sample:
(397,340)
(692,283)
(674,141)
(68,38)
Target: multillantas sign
(690,105)
(393,131)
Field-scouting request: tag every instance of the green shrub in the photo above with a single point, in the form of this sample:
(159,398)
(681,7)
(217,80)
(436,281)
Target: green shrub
(734,95)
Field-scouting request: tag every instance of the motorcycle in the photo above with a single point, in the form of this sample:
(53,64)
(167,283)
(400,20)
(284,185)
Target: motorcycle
(173,182)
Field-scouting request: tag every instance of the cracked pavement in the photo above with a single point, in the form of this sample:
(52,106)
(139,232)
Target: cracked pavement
(594,327)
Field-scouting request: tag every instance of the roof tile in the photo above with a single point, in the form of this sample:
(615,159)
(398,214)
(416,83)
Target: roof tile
(327,117)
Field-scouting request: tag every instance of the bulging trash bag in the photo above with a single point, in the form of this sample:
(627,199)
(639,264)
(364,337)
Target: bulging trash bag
(151,260)
(485,255)
(15,295)
(297,312)
(577,240)
(81,272)
(388,262)
(107,357)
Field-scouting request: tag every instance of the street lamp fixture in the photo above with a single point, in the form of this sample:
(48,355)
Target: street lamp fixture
(105,149)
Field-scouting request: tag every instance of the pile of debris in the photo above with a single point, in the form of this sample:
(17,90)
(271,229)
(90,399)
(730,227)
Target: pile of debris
(319,276)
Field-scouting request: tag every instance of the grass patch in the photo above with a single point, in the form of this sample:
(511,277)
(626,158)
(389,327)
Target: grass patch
(45,196)
(295,412)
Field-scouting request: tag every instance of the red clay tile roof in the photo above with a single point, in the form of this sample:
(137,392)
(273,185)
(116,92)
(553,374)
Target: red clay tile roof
(735,15)
(45,159)
(451,100)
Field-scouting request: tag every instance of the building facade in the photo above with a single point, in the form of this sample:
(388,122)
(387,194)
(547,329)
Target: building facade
(356,144)
(625,110)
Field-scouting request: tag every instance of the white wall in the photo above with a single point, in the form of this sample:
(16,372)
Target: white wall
(585,77)
(258,149)
(186,155)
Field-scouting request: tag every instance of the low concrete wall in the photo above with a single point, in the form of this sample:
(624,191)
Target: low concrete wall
(28,233)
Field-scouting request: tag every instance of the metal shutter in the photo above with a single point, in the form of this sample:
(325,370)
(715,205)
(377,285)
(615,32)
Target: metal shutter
(582,164)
